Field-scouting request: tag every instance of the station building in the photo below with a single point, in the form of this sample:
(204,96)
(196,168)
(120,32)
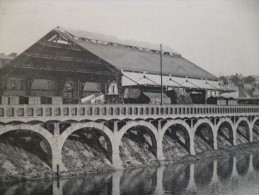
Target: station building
(72,66)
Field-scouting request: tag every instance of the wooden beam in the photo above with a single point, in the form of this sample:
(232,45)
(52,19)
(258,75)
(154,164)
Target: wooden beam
(59,46)
(61,58)
(59,69)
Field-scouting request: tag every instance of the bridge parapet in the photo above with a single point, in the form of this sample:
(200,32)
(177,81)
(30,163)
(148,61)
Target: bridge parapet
(79,112)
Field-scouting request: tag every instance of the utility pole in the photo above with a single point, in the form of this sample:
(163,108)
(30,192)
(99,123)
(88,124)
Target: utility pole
(161,72)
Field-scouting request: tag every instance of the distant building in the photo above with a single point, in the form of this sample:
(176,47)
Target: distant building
(246,87)
(6,59)
(251,85)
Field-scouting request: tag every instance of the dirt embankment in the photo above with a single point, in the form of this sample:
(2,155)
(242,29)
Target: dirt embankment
(24,156)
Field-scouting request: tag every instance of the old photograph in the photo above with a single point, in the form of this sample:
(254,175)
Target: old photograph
(129,97)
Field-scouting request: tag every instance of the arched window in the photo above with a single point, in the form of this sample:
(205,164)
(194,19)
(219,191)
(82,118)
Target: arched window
(68,90)
(113,89)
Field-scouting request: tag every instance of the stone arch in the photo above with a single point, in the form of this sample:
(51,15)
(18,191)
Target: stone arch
(254,121)
(249,134)
(254,131)
(212,140)
(152,130)
(131,124)
(232,133)
(75,127)
(188,131)
(37,129)
(102,129)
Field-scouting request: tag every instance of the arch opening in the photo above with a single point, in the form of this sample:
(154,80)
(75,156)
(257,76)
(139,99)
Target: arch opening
(203,138)
(225,135)
(138,146)
(176,141)
(243,133)
(26,153)
(256,130)
(87,149)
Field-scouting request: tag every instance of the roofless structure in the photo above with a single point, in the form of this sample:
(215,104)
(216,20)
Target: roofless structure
(87,67)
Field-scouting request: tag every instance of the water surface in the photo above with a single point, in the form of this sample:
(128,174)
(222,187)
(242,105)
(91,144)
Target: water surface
(237,175)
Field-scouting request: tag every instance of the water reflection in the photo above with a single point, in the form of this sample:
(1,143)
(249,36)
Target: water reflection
(225,168)
(237,175)
(242,164)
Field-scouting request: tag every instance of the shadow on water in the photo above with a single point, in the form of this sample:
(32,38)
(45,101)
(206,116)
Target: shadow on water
(90,184)
(140,181)
(256,162)
(225,168)
(202,177)
(242,164)
(28,187)
(176,177)
(203,173)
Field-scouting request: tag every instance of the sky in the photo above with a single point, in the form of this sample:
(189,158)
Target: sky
(221,36)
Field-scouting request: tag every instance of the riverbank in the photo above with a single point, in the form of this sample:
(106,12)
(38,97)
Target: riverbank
(209,155)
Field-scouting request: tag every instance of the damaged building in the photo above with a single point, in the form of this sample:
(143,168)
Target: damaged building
(71,66)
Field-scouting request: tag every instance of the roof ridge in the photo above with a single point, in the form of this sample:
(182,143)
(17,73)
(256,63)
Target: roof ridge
(113,40)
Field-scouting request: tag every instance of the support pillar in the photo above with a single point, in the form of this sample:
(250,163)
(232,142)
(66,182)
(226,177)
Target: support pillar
(234,136)
(191,185)
(250,133)
(159,150)
(116,160)
(116,179)
(159,180)
(58,186)
(215,142)
(234,173)
(250,167)
(191,147)
(115,126)
(214,173)
(57,164)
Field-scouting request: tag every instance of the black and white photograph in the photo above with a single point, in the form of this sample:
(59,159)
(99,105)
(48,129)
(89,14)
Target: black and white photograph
(129,97)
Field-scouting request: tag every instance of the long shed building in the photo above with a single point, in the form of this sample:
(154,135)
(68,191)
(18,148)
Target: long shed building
(83,67)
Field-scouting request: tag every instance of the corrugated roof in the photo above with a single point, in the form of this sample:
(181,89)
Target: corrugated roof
(134,59)
(152,79)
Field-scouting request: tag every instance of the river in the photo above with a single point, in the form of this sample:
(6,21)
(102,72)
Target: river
(236,175)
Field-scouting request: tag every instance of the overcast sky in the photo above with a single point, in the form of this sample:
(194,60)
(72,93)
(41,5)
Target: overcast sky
(221,36)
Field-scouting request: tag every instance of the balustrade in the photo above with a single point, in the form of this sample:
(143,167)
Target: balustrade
(130,110)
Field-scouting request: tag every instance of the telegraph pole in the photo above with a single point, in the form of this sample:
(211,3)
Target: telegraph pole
(161,72)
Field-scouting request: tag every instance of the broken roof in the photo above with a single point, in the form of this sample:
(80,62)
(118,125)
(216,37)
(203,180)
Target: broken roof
(136,57)
(133,56)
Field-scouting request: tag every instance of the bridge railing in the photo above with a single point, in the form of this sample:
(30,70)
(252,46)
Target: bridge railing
(120,110)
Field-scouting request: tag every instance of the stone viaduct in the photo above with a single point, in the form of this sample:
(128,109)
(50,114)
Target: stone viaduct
(56,123)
